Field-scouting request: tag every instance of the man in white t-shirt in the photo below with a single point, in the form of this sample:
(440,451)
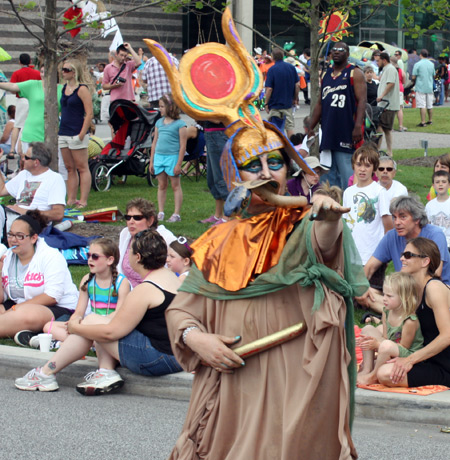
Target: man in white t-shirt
(386,172)
(36,187)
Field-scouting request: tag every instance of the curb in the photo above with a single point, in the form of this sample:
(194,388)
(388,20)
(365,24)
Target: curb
(433,409)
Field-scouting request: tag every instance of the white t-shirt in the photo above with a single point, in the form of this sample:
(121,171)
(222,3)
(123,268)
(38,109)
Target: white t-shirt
(364,218)
(438,213)
(37,192)
(396,189)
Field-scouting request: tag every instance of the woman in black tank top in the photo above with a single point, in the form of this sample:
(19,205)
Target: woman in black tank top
(431,364)
(135,336)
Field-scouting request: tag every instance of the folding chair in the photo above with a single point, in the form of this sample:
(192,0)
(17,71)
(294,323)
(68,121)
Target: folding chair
(194,162)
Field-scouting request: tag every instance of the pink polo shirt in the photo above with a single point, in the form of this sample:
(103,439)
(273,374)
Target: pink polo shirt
(126,91)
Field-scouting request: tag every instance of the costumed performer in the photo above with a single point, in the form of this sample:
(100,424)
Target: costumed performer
(277,265)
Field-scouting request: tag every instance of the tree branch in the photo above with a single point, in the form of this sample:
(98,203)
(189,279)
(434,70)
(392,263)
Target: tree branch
(22,21)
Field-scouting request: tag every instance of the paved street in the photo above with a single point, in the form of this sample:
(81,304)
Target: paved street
(66,425)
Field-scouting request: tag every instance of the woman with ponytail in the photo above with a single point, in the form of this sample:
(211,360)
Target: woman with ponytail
(36,283)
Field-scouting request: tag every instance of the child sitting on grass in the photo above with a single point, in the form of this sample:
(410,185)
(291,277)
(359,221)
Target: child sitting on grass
(399,335)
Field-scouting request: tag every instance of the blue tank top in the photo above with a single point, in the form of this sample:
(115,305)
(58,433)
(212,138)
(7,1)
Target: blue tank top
(72,113)
(338,110)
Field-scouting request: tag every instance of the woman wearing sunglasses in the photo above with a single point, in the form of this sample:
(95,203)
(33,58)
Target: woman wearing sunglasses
(73,138)
(140,215)
(431,364)
(36,283)
(136,336)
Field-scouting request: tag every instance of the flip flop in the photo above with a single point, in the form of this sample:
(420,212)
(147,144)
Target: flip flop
(429,123)
(370,317)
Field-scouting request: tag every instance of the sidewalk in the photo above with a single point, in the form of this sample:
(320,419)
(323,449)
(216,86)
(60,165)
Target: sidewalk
(435,409)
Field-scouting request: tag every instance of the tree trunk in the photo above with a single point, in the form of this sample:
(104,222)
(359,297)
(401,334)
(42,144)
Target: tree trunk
(51,81)
(315,52)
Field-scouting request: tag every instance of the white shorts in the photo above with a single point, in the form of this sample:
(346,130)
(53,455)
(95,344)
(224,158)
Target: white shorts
(424,100)
(402,100)
(73,142)
(21,112)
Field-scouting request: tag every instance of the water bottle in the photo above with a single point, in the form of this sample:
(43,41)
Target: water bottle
(65,225)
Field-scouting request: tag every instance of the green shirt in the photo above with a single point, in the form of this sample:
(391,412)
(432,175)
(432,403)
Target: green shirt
(33,91)
(424,72)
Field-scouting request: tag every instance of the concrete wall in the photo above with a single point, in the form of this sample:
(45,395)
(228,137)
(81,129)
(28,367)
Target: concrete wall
(148,22)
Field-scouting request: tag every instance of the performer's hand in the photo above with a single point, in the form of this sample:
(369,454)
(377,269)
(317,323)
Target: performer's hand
(367,298)
(400,369)
(214,351)
(325,208)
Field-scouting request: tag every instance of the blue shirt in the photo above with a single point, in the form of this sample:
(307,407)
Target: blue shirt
(424,72)
(282,78)
(392,245)
(168,137)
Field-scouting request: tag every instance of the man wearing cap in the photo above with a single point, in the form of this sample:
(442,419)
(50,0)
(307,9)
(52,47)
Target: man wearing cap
(304,184)
(340,111)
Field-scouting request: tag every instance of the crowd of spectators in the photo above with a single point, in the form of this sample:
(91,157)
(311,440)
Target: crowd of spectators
(386,224)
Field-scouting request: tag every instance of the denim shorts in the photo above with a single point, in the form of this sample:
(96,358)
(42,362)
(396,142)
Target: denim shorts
(73,142)
(165,163)
(137,354)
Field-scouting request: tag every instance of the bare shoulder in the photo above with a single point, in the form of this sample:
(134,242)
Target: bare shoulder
(437,294)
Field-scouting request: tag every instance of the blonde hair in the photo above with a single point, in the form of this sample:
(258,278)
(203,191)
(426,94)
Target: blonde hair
(82,75)
(404,285)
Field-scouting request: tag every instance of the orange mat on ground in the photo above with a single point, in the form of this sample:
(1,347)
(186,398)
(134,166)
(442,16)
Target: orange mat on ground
(420,391)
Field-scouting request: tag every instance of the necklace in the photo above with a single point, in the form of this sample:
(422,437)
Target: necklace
(20,286)
(109,297)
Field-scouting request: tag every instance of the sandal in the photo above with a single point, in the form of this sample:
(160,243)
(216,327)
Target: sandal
(371,318)
(429,123)
(421,125)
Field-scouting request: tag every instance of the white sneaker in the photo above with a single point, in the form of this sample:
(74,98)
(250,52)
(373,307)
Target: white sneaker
(100,382)
(35,380)
(160,216)
(174,218)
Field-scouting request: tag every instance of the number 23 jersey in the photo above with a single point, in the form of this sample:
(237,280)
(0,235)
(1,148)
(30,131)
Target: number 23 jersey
(338,110)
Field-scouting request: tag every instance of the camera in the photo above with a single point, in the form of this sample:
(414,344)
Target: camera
(121,80)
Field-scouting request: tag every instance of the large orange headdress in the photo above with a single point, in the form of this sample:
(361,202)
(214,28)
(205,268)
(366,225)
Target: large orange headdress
(219,83)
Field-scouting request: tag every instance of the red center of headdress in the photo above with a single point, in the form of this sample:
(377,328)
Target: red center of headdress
(213,76)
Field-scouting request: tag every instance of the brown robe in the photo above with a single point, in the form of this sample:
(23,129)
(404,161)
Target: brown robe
(288,403)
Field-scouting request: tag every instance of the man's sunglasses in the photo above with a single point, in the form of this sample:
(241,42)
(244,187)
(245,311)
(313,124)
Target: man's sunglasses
(26,157)
(94,256)
(338,50)
(388,169)
(408,255)
(136,217)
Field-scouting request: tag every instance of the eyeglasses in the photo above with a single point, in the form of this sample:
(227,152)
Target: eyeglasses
(26,157)
(94,256)
(388,169)
(136,217)
(17,236)
(340,50)
(408,254)
(398,54)
(66,70)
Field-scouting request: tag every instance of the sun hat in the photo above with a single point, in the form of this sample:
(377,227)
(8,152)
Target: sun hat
(312,162)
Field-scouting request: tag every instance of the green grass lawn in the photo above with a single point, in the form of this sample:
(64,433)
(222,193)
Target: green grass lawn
(411,117)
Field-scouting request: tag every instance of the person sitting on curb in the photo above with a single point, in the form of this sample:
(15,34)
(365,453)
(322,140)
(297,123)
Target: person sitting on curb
(36,282)
(136,336)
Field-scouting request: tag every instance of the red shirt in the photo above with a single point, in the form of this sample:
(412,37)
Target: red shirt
(25,74)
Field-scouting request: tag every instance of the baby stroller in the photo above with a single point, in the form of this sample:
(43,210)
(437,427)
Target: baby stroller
(372,121)
(127,152)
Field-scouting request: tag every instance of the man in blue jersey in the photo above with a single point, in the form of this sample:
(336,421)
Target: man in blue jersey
(340,110)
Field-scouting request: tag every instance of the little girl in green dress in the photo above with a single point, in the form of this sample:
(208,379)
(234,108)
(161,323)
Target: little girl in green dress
(399,335)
